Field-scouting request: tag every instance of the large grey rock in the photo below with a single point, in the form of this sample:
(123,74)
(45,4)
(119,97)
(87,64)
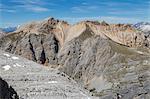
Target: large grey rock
(33,81)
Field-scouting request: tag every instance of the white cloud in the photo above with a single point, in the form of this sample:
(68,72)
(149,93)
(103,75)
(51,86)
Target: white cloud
(31,5)
(34,2)
(78,10)
(33,8)
(37,9)
(84,8)
(84,3)
(10,11)
(28,2)
(126,12)
(111,3)
(7,10)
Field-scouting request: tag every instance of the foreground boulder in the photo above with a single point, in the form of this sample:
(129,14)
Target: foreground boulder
(6,91)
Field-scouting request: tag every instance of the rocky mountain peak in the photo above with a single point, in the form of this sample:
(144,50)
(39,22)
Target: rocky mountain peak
(109,60)
(45,26)
(104,23)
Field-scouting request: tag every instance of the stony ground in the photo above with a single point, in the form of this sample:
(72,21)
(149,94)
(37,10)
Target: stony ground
(33,81)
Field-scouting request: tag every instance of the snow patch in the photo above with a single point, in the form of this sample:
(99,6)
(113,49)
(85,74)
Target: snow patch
(7,55)
(100,83)
(52,82)
(145,28)
(85,95)
(139,52)
(17,65)
(14,57)
(7,67)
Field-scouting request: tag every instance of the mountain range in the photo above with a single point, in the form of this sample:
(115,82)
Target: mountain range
(111,61)
(143,26)
(8,29)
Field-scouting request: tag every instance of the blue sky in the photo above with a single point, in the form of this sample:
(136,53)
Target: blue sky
(16,12)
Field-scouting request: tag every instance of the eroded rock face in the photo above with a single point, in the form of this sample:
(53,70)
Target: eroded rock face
(39,42)
(123,34)
(106,68)
(110,60)
(39,48)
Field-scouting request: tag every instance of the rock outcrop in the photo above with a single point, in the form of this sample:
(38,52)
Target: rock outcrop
(6,91)
(110,60)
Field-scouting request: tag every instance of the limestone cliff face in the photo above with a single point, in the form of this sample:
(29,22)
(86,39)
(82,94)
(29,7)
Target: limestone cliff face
(110,60)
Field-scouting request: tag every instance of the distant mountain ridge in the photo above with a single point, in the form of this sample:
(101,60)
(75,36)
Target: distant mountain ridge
(143,26)
(8,29)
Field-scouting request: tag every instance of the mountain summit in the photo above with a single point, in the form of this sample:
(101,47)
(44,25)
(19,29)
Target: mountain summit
(110,60)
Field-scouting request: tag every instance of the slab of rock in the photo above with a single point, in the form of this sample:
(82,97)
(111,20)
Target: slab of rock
(30,80)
